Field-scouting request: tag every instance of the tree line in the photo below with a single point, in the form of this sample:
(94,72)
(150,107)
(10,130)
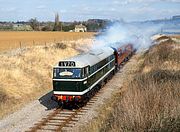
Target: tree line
(93,25)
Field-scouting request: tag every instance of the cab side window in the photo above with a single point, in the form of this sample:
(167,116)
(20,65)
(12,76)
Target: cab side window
(86,71)
(83,73)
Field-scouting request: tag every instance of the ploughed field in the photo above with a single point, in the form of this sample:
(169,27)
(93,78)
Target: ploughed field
(11,40)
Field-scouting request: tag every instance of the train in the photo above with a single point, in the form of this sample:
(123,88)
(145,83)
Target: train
(77,79)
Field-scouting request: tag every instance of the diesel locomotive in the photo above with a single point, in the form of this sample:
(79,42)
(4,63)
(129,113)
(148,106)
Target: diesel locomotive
(76,79)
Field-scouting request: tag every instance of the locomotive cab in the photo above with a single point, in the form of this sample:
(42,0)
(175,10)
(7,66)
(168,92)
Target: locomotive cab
(77,78)
(69,81)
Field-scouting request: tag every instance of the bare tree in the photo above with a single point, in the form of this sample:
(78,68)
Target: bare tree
(34,24)
(57,24)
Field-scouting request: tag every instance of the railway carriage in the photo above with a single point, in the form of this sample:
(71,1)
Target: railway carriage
(122,54)
(75,79)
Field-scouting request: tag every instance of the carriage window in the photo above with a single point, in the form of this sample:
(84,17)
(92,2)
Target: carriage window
(119,53)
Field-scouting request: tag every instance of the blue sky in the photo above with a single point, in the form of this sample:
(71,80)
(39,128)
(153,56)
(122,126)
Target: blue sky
(70,10)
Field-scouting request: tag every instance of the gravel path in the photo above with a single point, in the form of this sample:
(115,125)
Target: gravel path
(34,111)
(27,116)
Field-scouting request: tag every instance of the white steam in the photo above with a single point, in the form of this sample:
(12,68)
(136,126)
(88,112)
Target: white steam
(137,34)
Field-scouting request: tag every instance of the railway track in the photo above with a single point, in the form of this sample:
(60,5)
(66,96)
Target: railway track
(63,119)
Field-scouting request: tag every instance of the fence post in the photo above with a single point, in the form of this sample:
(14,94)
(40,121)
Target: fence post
(20,44)
(45,45)
(33,43)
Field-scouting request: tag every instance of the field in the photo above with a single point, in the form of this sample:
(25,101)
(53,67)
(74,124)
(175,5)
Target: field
(11,40)
(176,36)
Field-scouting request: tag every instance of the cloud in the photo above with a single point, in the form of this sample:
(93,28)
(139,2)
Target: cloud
(129,10)
(112,9)
(116,2)
(125,2)
(142,10)
(7,10)
(74,5)
(63,11)
(86,8)
(41,7)
(172,0)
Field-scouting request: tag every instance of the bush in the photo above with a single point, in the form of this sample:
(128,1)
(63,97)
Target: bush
(60,46)
(3,97)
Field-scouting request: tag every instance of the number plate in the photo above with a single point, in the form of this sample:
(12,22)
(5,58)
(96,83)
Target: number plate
(67,63)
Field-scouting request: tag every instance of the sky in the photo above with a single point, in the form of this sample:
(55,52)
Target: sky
(78,10)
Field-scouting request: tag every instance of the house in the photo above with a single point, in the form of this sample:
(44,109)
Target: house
(80,28)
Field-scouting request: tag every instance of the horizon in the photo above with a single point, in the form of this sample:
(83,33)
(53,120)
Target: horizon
(92,19)
(169,18)
(80,10)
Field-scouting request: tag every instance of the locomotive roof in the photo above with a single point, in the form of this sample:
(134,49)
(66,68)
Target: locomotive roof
(92,57)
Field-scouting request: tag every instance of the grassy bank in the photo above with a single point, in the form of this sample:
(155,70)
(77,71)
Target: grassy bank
(26,73)
(152,100)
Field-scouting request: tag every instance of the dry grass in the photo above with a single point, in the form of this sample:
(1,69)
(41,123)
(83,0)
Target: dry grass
(152,101)
(163,56)
(150,104)
(26,73)
(11,40)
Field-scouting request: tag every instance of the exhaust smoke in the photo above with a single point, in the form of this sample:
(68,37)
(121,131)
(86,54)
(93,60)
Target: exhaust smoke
(120,33)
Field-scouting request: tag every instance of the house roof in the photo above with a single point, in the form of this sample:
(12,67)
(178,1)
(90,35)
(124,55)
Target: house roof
(80,26)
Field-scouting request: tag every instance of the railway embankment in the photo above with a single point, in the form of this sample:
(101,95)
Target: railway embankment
(96,118)
(143,95)
(26,72)
(97,109)
(35,111)
(150,101)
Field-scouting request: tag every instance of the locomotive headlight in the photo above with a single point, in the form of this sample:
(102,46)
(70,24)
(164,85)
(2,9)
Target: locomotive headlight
(85,82)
